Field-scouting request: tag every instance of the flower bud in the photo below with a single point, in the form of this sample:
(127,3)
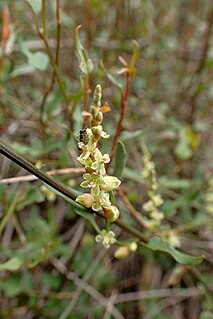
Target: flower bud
(99,117)
(97,95)
(112,182)
(94,111)
(121,252)
(48,193)
(86,200)
(133,246)
(96,120)
(96,131)
(111,213)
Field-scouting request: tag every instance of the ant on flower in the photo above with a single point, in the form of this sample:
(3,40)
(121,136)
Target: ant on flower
(81,138)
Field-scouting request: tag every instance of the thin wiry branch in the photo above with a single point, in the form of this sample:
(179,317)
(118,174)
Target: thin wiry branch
(86,287)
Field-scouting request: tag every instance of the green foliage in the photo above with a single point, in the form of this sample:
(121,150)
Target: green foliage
(48,242)
(36,5)
(183,259)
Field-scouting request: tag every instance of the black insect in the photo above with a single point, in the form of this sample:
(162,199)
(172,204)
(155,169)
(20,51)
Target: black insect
(81,138)
(82,134)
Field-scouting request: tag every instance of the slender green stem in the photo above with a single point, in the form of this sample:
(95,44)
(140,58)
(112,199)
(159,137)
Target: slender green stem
(53,63)
(51,86)
(9,212)
(44,17)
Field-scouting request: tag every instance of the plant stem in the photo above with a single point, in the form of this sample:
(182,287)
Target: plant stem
(9,212)
(124,100)
(19,160)
(53,63)
(44,17)
(50,88)
(86,88)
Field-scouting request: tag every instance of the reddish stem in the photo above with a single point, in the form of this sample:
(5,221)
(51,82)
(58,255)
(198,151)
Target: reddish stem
(122,113)
(86,88)
(5,33)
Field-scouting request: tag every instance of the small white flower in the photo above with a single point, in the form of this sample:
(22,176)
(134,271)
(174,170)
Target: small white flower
(157,216)
(102,200)
(149,206)
(86,200)
(111,183)
(99,162)
(158,200)
(106,237)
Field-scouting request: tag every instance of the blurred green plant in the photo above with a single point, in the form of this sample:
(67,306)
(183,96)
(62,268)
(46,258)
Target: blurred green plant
(47,242)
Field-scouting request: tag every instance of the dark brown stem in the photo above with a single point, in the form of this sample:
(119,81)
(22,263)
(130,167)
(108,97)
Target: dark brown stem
(124,100)
(130,208)
(22,162)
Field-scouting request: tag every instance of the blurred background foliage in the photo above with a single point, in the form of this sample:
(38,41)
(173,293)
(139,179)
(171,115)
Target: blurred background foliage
(57,270)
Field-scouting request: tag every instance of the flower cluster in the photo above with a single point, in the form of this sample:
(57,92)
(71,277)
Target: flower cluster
(171,239)
(155,199)
(95,178)
(209,197)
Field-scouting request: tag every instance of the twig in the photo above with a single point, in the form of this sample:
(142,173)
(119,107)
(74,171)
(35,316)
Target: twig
(160,306)
(85,286)
(77,293)
(9,212)
(44,17)
(28,178)
(108,312)
(53,63)
(158,293)
(50,88)
(130,208)
(124,100)
(86,88)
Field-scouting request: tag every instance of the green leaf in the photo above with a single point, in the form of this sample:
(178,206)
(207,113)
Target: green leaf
(133,175)
(134,58)
(182,258)
(206,315)
(120,159)
(126,136)
(32,195)
(39,60)
(11,265)
(112,79)
(86,64)
(22,70)
(175,183)
(35,5)
(183,150)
